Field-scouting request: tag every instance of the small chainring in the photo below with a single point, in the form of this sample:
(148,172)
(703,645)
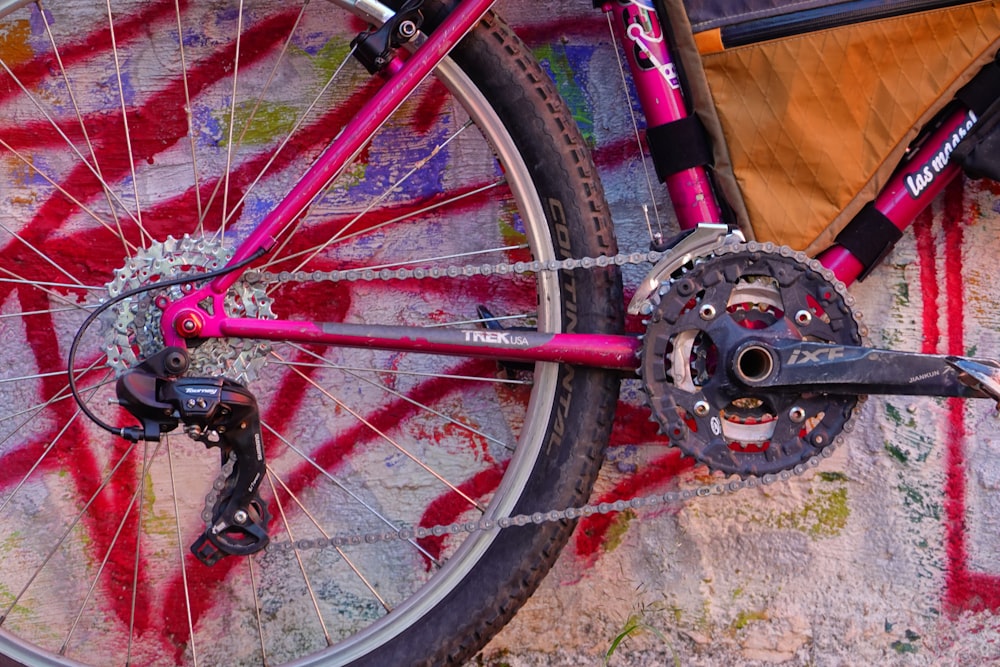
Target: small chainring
(740,293)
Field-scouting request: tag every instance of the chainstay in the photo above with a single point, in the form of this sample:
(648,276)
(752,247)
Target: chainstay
(671,499)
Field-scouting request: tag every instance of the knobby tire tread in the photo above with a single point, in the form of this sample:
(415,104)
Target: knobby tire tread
(514,566)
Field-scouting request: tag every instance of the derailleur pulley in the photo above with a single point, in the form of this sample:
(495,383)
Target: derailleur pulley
(219,413)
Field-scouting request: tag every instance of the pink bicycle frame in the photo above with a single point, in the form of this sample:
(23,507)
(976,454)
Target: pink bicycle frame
(690,191)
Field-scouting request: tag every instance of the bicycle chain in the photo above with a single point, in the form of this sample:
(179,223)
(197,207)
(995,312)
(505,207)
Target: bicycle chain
(454,271)
(672,498)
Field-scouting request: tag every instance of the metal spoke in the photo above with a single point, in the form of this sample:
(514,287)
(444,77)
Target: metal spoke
(382,197)
(253,114)
(390,371)
(128,132)
(30,313)
(232,123)
(146,461)
(397,219)
(340,485)
(62,395)
(415,403)
(42,255)
(256,608)
(391,441)
(354,568)
(66,534)
(298,558)
(83,128)
(190,120)
(482,320)
(34,101)
(100,569)
(35,410)
(17,280)
(182,552)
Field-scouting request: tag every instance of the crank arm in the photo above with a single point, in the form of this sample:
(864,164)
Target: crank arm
(838,369)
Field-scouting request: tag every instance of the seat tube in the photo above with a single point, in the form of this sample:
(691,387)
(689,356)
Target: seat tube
(661,98)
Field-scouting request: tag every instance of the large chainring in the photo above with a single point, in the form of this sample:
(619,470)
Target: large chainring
(737,294)
(132,332)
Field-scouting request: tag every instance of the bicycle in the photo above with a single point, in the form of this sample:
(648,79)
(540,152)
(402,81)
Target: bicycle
(485,387)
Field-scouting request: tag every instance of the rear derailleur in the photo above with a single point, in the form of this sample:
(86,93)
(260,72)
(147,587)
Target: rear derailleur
(218,413)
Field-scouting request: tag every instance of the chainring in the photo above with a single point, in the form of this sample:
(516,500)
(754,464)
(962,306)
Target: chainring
(132,332)
(741,293)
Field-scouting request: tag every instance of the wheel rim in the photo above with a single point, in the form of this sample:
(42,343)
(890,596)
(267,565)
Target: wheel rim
(89,566)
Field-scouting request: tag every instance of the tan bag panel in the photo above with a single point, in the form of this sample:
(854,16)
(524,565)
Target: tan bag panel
(814,124)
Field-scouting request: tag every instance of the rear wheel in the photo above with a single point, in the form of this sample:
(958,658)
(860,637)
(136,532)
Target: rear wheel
(128,135)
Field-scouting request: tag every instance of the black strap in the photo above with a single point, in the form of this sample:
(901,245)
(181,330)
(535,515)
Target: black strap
(678,145)
(869,237)
(983,90)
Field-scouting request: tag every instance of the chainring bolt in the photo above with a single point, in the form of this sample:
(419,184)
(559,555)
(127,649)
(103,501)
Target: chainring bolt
(803,318)
(702,408)
(797,415)
(708,312)
(240,516)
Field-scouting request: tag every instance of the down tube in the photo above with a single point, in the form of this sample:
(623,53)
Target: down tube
(917,181)
(661,97)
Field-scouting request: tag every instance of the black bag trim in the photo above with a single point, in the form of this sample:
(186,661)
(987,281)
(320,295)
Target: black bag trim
(869,236)
(984,89)
(678,146)
(979,153)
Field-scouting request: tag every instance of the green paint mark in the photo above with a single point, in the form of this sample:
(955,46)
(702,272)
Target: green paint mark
(896,415)
(745,618)
(910,646)
(902,294)
(825,516)
(918,505)
(833,477)
(328,59)
(257,124)
(616,531)
(554,57)
(12,542)
(897,453)
(269,120)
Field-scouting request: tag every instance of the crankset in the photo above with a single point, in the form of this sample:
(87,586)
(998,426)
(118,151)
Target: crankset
(217,412)
(754,362)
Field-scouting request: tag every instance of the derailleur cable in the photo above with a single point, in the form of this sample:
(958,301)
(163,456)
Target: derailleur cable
(130,433)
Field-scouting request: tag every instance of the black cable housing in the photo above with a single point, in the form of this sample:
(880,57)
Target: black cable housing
(135,433)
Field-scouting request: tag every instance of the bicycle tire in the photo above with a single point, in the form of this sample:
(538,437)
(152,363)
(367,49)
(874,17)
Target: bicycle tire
(476,586)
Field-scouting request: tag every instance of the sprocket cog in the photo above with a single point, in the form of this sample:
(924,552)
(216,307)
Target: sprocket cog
(132,332)
(739,294)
